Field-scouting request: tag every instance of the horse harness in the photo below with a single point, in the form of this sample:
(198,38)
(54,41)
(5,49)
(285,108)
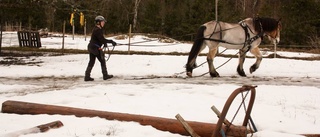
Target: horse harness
(248,41)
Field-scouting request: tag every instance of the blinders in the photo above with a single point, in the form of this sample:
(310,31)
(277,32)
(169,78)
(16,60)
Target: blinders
(275,34)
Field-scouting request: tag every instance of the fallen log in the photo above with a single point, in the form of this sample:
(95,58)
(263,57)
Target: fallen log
(163,124)
(37,129)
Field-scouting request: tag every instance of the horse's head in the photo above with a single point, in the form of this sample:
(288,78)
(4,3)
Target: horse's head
(270,27)
(274,35)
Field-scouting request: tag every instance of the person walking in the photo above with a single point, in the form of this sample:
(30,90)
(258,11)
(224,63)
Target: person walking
(95,49)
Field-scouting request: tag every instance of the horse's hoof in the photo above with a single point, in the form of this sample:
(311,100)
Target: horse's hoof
(241,73)
(189,74)
(253,68)
(215,74)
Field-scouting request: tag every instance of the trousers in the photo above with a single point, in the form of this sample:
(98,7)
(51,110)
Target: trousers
(95,53)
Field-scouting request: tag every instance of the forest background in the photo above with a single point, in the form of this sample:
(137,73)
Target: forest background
(178,19)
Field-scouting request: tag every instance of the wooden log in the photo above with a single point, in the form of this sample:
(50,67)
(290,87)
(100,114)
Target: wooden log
(37,129)
(48,126)
(311,135)
(163,124)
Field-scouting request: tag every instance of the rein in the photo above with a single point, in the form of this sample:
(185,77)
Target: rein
(176,74)
(220,40)
(137,42)
(217,67)
(109,52)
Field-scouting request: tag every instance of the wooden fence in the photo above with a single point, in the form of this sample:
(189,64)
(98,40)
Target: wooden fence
(29,39)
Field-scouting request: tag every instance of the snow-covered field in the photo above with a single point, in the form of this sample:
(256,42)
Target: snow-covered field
(286,105)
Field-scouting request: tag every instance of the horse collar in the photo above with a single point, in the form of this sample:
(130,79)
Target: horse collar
(247,41)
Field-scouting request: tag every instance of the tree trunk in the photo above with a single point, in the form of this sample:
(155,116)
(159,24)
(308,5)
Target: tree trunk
(135,17)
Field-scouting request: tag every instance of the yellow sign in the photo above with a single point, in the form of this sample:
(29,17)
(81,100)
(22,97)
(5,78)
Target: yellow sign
(71,19)
(81,19)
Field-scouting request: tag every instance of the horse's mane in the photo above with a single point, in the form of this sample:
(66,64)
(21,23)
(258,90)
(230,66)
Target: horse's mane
(267,24)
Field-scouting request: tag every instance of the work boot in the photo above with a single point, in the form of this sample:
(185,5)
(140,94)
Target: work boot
(87,74)
(87,77)
(106,76)
(105,72)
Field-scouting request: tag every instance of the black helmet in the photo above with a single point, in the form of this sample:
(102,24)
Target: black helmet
(100,18)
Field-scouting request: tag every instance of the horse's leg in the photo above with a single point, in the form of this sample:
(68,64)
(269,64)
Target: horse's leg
(210,56)
(197,47)
(242,57)
(192,62)
(256,52)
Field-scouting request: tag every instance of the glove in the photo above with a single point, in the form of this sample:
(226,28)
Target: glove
(114,43)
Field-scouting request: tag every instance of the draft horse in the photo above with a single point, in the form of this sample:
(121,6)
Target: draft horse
(245,36)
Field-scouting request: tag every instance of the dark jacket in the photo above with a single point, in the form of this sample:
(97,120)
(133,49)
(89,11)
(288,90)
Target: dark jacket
(97,40)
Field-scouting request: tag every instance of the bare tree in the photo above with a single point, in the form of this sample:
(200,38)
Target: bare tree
(135,17)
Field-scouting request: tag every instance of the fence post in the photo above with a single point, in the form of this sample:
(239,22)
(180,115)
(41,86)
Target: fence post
(216,10)
(73,27)
(63,31)
(275,50)
(129,39)
(85,30)
(0,35)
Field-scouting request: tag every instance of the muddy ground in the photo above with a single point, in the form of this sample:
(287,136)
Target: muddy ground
(43,84)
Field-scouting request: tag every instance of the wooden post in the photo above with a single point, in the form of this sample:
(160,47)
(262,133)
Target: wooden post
(218,113)
(85,30)
(63,32)
(186,126)
(0,35)
(129,39)
(163,124)
(275,50)
(216,9)
(73,29)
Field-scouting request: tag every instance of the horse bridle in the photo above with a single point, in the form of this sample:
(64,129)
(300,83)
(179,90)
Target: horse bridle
(275,37)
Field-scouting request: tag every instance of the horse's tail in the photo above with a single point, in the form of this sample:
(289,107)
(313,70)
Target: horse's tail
(196,47)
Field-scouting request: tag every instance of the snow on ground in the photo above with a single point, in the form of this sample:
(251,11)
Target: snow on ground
(286,103)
